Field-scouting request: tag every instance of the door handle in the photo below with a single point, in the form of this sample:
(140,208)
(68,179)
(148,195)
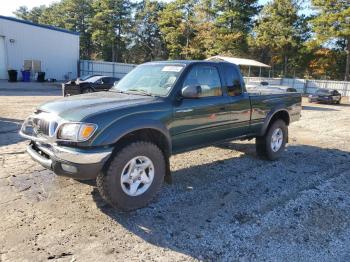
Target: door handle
(184,110)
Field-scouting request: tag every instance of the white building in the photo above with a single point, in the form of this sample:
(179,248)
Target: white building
(39,48)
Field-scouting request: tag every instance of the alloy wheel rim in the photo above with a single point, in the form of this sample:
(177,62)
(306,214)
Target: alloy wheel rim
(137,176)
(276,139)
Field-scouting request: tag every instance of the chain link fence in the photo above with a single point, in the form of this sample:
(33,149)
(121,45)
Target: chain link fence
(91,67)
(304,86)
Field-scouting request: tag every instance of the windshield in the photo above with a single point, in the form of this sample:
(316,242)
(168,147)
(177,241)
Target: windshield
(83,78)
(323,91)
(150,79)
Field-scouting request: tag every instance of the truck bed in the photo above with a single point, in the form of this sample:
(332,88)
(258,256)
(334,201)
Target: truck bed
(264,102)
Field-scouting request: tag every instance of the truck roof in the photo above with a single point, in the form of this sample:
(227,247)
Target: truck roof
(187,62)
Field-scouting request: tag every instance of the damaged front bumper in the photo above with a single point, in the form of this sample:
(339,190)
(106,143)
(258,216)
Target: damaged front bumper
(77,163)
(82,164)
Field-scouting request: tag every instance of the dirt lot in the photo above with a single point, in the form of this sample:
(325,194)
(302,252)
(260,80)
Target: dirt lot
(225,204)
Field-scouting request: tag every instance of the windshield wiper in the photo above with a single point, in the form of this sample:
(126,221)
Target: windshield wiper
(117,91)
(140,91)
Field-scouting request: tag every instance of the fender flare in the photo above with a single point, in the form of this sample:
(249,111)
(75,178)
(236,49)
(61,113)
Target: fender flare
(268,118)
(119,130)
(111,138)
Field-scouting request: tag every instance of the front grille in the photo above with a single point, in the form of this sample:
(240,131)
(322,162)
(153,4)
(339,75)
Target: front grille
(41,126)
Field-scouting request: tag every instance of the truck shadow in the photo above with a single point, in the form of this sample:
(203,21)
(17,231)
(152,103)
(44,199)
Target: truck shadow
(316,108)
(209,209)
(29,89)
(9,131)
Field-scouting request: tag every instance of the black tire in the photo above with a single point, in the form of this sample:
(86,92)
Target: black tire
(87,90)
(263,144)
(109,181)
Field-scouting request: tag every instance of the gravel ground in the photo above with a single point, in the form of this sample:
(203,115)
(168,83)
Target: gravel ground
(225,204)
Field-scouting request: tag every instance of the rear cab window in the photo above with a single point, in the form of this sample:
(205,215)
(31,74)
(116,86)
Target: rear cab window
(232,80)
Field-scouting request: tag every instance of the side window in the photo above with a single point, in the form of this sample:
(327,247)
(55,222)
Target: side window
(99,81)
(106,80)
(233,81)
(207,77)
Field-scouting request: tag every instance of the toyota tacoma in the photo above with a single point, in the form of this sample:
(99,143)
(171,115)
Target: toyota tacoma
(124,137)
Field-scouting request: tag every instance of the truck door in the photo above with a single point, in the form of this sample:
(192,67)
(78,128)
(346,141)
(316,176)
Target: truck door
(239,106)
(105,84)
(203,120)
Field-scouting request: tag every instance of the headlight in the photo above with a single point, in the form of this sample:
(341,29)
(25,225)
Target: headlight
(76,131)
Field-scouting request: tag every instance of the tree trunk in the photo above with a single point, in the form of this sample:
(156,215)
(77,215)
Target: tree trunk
(285,65)
(347,67)
(113,52)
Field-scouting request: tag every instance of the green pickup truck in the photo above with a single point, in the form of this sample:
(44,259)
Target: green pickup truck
(124,138)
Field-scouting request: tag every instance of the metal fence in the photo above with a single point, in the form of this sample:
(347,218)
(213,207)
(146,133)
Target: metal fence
(305,86)
(90,67)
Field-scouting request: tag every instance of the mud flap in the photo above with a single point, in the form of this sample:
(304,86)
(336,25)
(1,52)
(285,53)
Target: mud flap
(168,178)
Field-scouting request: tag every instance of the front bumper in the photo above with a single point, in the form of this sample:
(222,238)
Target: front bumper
(82,164)
(70,89)
(324,99)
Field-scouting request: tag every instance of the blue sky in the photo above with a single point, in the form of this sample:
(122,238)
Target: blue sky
(8,7)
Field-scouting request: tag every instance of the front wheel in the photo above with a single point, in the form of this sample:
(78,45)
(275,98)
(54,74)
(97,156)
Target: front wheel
(273,143)
(134,176)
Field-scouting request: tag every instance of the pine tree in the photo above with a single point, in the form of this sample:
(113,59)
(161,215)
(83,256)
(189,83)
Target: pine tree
(333,22)
(233,22)
(80,22)
(111,26)
(176,24)
(278,31)
(147,42)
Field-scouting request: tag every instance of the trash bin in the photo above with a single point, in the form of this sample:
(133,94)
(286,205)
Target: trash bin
(26,76)
(12,75)
(41,77)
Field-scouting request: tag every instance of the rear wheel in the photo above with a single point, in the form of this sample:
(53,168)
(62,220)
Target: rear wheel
(133,177)
(273,143)
(87,90)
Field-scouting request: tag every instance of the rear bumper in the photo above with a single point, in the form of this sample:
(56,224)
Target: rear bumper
(82,164)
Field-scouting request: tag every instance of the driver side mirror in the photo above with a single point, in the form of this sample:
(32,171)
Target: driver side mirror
(191,91)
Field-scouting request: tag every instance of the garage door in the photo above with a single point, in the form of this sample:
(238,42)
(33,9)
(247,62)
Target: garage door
(3,69)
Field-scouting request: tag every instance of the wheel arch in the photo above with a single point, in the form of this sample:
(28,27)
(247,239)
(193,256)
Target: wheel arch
(149,134)
(152,134)
(281,114)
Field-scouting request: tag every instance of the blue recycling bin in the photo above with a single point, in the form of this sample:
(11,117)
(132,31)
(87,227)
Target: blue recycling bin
(26,76)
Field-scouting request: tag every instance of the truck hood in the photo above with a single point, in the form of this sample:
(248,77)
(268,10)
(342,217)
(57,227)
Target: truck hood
(76,108)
